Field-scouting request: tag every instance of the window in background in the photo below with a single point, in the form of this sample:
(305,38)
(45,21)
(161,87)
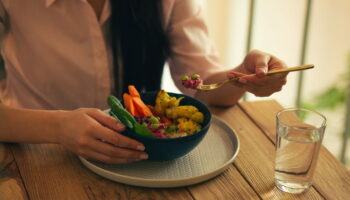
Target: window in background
(278,29)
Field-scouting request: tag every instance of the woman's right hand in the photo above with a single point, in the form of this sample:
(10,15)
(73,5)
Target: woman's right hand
(94,135)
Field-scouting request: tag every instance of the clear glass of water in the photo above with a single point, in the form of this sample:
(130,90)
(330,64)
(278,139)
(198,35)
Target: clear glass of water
(298,140)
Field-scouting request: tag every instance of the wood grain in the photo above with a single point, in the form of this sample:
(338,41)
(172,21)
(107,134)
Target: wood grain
(229,185)
(51,172)
(256,158)
(331,178)
(11,185)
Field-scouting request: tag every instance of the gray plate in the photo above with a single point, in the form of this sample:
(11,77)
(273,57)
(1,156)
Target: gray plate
(211,157)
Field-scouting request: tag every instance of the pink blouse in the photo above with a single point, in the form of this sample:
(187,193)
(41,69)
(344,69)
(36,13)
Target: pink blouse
(57,57)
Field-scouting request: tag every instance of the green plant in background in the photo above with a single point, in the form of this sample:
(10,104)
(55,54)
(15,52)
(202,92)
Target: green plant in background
(334,96)
(331,98)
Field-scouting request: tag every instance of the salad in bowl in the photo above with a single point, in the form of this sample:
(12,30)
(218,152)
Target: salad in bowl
(169,125)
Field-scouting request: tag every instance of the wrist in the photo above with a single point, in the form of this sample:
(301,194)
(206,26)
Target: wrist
(55,120)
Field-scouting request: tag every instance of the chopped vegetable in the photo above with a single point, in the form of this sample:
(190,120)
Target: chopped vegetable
(195,76)
(118,110)
(190,112)
(134,104)
(141,107)
(172,128)
(185,78)
(154,126)
(164,101)
(133,91)
(166,119)
(153,119)
(113,115)
(188,126)
(113,101)
(129,105)
(142,129)
(192,83)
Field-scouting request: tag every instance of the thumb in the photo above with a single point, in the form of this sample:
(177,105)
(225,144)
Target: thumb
(261,65)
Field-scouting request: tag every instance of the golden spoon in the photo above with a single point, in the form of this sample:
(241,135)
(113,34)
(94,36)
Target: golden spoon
(218,85)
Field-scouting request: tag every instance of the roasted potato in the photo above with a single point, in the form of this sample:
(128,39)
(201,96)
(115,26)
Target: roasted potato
(187,125)
(164,101)
(189,112)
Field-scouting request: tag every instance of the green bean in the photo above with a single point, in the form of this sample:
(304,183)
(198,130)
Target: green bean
(142,130)
(118,110)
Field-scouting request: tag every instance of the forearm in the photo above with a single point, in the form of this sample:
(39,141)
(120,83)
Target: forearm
(227,95)
(27,126)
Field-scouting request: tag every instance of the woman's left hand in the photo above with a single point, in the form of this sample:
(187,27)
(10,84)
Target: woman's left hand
(252,74)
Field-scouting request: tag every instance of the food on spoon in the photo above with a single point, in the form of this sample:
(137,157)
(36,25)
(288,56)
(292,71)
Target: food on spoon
(166,119)
(191,82)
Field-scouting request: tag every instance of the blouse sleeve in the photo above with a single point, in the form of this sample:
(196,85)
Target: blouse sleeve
(192,51)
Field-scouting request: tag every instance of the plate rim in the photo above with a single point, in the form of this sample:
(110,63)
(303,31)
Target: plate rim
(165,183)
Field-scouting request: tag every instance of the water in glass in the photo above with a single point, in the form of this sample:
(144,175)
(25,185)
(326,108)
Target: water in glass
(299,136)
(296,157)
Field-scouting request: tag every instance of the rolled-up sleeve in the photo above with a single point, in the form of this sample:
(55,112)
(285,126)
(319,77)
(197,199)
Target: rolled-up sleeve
(192,50)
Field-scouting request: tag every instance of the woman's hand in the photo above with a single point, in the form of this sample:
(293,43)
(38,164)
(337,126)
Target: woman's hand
(93,134)
(258,62)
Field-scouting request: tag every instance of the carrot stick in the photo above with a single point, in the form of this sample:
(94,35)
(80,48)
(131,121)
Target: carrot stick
(137,113)
(129,105)
(141,107)
(133,91)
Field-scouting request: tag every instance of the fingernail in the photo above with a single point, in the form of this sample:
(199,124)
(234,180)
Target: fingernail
(144,156)
(261,71)
(120,125)
(241,80)
(140,147)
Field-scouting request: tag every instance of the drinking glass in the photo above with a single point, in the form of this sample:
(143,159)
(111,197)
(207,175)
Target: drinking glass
(298,140)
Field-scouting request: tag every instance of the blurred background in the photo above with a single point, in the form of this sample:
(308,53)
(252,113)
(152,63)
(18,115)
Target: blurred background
(298,32)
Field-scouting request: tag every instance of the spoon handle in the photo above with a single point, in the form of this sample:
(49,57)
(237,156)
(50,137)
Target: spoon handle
(290,69)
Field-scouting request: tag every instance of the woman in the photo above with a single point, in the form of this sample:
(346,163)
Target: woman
(62,55)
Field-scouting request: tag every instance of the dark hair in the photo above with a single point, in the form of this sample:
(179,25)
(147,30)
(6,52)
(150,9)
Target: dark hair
(139,40)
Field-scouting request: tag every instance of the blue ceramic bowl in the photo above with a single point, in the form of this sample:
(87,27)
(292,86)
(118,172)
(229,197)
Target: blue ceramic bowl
(171,148)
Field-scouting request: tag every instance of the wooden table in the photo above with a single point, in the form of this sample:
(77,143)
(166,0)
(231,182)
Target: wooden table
(49,171)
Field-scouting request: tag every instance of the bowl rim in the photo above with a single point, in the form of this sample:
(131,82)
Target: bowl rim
(171,139)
